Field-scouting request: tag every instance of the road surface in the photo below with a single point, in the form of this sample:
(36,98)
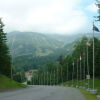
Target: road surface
(43,93)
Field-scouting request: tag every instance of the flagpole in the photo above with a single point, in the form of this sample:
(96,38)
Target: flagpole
(62,74)
(80,71)
(88,68)
(50,78)
(77,73)
(47,78)
(67,71)
(57,75)
(54,77)
(73,74)
(94,91)
(12,71)
(44,78)
(93,58)
(84,70)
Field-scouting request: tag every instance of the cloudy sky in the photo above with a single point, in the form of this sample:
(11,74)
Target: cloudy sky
(48,16)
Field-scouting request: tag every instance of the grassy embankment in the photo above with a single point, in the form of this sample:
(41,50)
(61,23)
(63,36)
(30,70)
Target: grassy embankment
(7,84)
(87,94)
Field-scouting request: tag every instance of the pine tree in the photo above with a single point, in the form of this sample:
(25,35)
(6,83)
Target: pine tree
(5,59)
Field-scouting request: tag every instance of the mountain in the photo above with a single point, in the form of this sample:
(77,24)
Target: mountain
(36,44)
(31,50)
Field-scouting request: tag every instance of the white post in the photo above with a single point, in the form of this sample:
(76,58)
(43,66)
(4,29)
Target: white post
(88,67)
(67,72)
(93,59)
(47,78)
(73,74)
(12,70)
(93,91)
(62,74)
(57,75)
(84,70)
(44,78)
(54,77)
(77,71)
(80,72)
(50,78)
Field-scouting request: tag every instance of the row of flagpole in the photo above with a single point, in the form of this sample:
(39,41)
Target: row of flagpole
(72,72)
(81,78)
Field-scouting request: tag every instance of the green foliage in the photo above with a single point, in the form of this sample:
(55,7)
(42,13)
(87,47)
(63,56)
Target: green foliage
(29,62)
(5,60)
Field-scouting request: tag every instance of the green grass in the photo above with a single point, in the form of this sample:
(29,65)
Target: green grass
(6,84)
(86,94)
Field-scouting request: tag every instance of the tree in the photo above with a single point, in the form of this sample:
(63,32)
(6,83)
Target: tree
(60,60)
(5,59)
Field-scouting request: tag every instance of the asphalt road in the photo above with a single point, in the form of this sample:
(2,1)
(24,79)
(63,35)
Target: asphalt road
(43,93)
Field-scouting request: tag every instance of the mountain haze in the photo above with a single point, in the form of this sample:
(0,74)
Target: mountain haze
(32,50)
(24,43)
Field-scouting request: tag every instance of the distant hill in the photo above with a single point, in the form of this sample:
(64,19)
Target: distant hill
(36,44)
(33,50)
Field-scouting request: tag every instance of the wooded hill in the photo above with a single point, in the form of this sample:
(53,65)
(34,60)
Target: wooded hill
(30,50)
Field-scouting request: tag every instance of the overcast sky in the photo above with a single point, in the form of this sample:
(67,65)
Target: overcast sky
(48,16)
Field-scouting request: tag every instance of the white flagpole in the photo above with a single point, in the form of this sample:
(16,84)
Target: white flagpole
(50,78)
(67,71)
(93,58)
(73,74)
(77,72)
(93,91)
(44,78)
(62,74)
(54,77)
(80,72)
(84,70)
(57,75)
(88,67)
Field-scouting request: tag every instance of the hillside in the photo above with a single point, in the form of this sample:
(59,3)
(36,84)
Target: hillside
(31,50)
(6,84)
(36,44)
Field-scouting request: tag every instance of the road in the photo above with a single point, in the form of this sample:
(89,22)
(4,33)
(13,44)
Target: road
(43,93)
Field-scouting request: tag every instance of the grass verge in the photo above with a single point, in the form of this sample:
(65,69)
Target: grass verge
(88,95)
(7,84)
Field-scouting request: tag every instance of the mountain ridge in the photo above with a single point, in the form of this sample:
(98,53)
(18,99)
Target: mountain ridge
(31,50)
